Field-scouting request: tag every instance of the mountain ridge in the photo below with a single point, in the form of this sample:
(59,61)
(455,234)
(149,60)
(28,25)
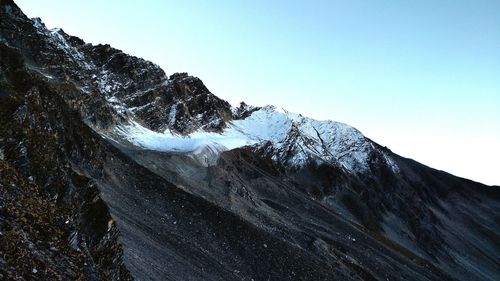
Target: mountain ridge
(245,214)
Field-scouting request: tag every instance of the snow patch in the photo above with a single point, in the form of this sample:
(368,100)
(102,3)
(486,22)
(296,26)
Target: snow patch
(39,25)
(105,84)
(61,42)
(172,115)
(169,142)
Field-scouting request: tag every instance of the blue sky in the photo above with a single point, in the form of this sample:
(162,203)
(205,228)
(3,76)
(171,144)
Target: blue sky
(421,77)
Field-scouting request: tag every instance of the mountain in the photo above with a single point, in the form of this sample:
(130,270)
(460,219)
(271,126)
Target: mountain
(112,170)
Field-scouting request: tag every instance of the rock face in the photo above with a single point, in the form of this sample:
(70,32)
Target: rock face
(112,170)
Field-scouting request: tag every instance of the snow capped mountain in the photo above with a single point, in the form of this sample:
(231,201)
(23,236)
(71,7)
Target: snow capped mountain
(112,170)
(179,114)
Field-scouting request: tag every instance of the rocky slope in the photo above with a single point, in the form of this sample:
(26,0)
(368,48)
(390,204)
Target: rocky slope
(112,170)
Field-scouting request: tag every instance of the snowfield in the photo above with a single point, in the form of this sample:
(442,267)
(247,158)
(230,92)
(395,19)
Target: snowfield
(295,139)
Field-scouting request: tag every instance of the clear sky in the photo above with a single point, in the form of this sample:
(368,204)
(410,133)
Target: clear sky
(420,77)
